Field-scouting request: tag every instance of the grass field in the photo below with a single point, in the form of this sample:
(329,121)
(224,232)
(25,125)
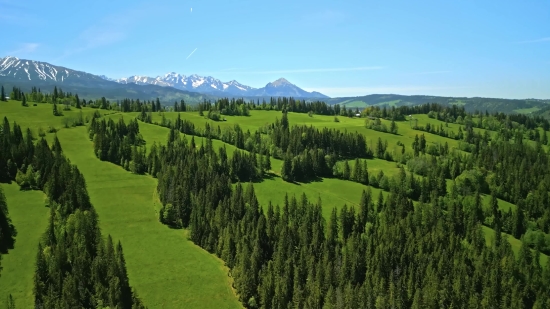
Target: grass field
(333,192)
(527,110)
(41,116)
(29,215)
(167,270)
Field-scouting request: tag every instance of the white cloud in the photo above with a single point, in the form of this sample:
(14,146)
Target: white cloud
(111,29)
(194,50)
(23,49)
(306,70)
(360,91)
(547,39)
(429,73)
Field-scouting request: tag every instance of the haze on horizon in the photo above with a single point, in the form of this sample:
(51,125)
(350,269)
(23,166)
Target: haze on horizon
(469,48)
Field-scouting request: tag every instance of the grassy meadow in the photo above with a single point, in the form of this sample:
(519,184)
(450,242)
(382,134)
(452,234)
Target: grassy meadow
(29,215)
(167,270)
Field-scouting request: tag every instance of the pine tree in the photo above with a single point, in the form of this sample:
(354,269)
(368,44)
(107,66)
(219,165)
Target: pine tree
(286,169)
(497,225)
(77,99)
(267,162)
(357,171)
(3,94)
(55,111)
(23,99)
(158,107)
(346,174)
(55,94)
(393,127)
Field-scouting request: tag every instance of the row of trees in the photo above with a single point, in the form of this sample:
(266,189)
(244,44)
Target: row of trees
(75,266)
(119,143)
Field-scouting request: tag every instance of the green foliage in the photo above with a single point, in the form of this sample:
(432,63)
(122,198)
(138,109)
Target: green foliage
(7,229)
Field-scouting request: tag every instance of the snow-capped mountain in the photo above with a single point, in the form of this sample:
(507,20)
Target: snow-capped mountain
(30,70)
(36,73)
(211,85)
(193,82)
(26,74)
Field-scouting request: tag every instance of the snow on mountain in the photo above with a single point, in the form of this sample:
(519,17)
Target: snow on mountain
(211,85)
(206,84)
(30,70)
(17,69)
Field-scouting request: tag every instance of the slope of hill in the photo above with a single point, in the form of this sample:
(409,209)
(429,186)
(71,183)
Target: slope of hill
(471,104)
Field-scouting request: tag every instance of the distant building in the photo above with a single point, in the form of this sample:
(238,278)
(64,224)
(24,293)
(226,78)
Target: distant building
(357,115)
(7,98)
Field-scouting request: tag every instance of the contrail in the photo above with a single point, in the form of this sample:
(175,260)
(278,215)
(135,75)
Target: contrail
(191,53)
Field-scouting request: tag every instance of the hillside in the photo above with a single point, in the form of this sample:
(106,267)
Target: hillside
(471,104)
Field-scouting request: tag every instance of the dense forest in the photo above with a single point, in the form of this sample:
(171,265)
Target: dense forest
(75,266)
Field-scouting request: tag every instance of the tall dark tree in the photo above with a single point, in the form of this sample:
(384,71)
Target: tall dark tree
(7,229)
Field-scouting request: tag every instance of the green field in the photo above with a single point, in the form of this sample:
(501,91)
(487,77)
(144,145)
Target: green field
(333,192)
(167,270)
(527,110)
(29,215)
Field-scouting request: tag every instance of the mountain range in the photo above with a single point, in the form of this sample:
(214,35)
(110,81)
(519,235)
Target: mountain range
(194,89)
(172,86)
(213,86)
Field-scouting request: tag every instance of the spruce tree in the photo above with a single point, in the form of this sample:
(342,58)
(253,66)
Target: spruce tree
(77,99)
(3,94)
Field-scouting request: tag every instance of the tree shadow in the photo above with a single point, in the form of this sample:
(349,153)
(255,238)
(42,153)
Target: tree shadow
(9,242)
(266,176)
(173,227)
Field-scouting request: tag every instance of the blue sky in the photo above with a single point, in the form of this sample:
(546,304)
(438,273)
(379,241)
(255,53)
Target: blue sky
(340,48)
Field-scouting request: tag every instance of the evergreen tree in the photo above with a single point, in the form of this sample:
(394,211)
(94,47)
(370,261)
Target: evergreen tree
(3,94)
(267,162)
(393,127)
(7,229)
(77,100)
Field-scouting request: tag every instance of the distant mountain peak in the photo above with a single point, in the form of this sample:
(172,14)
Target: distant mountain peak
(281,81)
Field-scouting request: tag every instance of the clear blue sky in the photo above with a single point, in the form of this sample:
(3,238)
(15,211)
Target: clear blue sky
(340,48)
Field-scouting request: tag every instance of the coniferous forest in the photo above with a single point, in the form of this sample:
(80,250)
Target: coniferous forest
(419,243)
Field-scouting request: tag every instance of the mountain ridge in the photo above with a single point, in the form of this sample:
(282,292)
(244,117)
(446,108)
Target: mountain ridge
(214,86)
(171,86)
